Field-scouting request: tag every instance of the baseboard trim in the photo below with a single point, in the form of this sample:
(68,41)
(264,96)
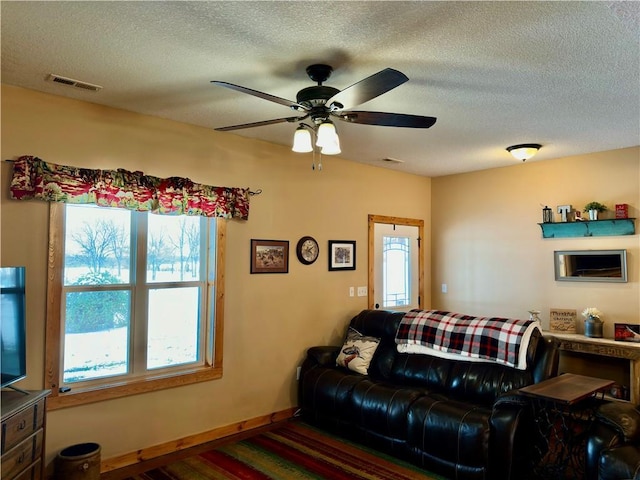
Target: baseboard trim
(173,446)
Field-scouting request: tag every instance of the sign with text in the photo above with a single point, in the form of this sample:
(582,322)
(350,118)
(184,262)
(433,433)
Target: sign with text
(562,320)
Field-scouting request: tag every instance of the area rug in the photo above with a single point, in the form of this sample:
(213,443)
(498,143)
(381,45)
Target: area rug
(291,452)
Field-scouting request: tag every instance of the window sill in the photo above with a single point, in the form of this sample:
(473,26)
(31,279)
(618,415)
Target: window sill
(75,397)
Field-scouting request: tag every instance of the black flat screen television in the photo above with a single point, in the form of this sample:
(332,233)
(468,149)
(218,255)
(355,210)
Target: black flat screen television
(12,325)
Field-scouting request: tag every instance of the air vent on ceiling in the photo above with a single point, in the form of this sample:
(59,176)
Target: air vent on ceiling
(73,83)
(392,160)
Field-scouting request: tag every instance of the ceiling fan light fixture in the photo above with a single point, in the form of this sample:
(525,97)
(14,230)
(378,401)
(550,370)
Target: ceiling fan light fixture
(321,102)
(524,151)
(302,140)
(332,148)
(327,135)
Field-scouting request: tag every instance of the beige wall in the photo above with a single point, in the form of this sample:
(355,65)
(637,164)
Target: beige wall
(486,246)
(270,319)
(489,250)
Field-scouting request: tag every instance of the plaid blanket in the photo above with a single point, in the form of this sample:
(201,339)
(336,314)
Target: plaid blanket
(464,337)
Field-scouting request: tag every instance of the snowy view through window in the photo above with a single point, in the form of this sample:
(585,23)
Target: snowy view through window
(134,291)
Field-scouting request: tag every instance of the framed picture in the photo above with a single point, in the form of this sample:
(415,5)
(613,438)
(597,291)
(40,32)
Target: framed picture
(562,320)
(626,332)
(269,256)
(342,255)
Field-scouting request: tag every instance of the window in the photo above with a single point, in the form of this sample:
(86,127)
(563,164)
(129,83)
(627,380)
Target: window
(134,302)
(396,271)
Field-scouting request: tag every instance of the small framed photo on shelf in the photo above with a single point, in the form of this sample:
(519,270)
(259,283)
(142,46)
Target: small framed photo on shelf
(626,332)
(269,256)
(342,255)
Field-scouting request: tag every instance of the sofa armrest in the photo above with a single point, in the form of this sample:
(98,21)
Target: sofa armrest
(623,418)
(322,356)
(617,424)
(513,398)
(511,436)
(622,462)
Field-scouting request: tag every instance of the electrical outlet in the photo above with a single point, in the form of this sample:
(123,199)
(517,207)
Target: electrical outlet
(352,291)
(362,291)
(444,288)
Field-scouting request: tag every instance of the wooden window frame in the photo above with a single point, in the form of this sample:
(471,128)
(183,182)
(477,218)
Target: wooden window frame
(412,222)
(212,369)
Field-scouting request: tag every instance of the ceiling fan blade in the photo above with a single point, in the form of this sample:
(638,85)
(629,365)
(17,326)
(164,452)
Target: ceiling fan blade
(369,88)
(261,124)
(386,119)
(264,96)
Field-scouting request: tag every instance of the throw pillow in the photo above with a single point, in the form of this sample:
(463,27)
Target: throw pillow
(357,351)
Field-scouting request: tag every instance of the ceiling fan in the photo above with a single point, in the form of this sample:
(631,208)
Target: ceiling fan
(320,103)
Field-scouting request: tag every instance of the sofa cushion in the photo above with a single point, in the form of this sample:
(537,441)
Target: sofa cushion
(382,407)
(482,383)
(357,351)
(452,431)
(380,324)
(421,371)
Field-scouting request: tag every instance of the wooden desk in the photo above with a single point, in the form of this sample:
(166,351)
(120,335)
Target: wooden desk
(606,347)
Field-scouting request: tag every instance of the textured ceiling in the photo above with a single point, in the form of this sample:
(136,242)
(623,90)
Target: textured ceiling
(563,74)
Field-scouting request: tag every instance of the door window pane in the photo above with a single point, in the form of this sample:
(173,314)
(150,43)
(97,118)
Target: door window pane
(396,271)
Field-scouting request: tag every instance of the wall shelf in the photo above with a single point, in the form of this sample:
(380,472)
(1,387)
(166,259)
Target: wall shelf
(589,228)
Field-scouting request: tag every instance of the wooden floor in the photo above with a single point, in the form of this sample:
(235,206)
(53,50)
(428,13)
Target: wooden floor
(126,472)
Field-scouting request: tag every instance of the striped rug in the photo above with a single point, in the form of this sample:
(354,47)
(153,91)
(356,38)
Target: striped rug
(291,452)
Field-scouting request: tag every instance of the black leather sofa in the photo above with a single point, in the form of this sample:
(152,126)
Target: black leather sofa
(613,445)
(460,419)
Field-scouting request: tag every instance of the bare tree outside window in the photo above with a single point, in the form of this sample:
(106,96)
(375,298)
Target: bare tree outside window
(101,283)
(135,306)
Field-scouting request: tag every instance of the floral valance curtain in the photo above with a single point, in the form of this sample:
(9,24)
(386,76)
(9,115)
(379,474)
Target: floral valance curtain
(35,178)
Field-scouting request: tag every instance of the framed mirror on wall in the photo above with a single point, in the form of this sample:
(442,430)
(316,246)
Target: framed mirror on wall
(590,265)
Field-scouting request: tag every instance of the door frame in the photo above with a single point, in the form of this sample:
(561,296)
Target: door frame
(373,219)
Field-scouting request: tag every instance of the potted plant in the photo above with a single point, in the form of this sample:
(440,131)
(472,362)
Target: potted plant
(594,208)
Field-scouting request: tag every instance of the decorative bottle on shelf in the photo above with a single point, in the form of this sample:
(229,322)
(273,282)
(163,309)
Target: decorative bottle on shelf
(593,327)
(547,215)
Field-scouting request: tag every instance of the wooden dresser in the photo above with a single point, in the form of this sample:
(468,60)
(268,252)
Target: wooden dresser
(23,430)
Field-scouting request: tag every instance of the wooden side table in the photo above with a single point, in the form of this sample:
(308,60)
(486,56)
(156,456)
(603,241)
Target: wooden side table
(564,408)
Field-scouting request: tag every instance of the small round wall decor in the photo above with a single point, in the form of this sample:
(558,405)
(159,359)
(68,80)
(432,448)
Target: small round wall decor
(307,250)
